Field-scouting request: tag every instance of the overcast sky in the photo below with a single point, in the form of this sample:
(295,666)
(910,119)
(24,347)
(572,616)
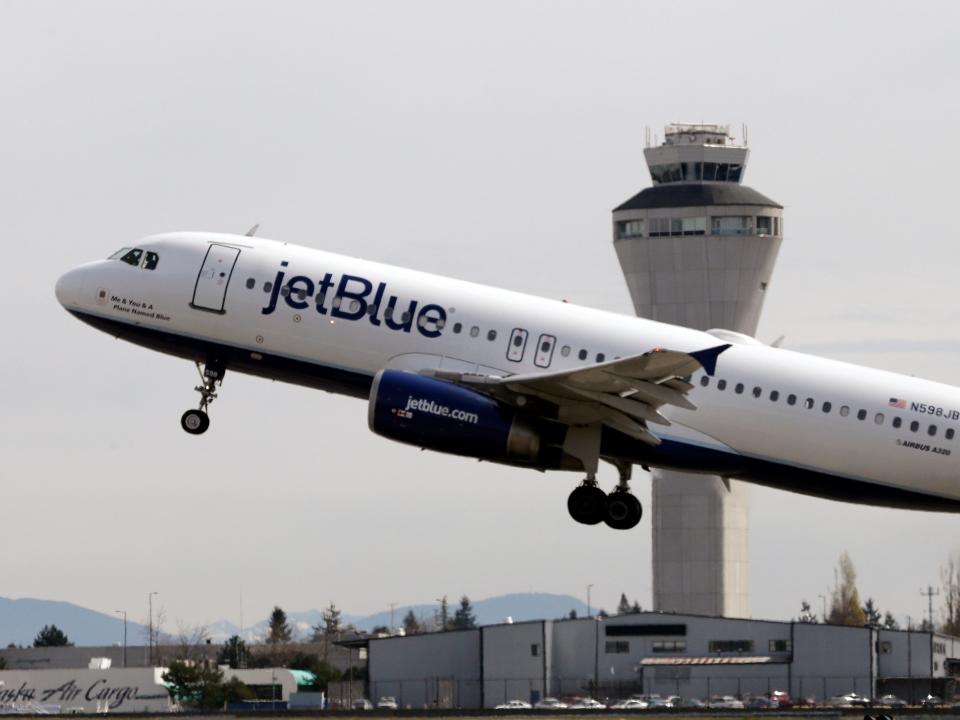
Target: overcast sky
(488,141)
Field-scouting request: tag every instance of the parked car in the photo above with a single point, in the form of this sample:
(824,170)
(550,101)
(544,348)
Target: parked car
(689,703)
(892,701)
(848,700)
(761,702)
(630,704)
(388,702)
(725,702)
(514,705)
(362,704)
(931,701)
(588,704)
(549,703)
(782,697)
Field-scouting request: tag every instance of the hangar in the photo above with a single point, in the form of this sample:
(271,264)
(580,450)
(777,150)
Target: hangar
(693,656)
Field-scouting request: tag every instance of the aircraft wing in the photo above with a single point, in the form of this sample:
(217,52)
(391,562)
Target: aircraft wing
(624,394)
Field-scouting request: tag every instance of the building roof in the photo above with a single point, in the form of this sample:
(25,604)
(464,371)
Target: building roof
(675,195)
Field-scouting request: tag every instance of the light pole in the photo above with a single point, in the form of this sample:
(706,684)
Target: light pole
(589,614)
(150,629)
(124,613)
(823,599)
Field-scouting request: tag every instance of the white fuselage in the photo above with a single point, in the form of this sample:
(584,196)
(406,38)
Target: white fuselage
(843,421)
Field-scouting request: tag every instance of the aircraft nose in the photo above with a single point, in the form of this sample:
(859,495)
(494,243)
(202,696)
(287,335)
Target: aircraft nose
(69,288)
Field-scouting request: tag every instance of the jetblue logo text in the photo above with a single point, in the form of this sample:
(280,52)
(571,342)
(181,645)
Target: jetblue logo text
(429,406)
(353,298)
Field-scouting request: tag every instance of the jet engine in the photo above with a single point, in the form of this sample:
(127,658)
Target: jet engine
(446,417)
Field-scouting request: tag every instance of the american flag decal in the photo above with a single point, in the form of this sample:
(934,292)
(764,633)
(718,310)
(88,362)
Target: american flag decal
(898,403)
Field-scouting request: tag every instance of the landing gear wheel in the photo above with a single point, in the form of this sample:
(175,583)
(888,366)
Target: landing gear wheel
(586,504)
(623,511)
(195,422)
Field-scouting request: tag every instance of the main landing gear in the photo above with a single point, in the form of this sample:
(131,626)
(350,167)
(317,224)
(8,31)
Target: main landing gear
(197,421)
(620,509)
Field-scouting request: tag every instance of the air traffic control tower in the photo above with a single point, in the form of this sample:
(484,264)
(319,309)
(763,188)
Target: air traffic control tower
(698,249)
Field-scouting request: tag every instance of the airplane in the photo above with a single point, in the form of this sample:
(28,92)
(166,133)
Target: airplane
(486,373)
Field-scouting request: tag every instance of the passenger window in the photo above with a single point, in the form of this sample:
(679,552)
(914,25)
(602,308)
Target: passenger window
(757,392)
(705,380)
(861,414)
(601,357)
(774,395)
(932,430)
(302,295)
(582,355)
(250,283)
(150,261)
(132,257)
(457,327)
(474,331)
(808,403)
(285,291)
(827,406)
(492,335)
(721,384)
(565,350)
(896,422)
(949,434)
(844,411)
(738,388)
(267,286)
(914,426)
(791,399)
(878,418)
(544,350)
(518,343)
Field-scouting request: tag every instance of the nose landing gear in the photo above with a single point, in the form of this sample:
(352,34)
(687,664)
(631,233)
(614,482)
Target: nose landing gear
(620,510)
(197,421)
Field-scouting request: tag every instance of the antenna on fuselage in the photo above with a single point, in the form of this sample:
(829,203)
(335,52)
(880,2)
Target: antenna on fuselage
(252,231)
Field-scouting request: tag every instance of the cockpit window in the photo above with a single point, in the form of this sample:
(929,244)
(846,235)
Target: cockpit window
(119,254)
(150,261)
(132,257)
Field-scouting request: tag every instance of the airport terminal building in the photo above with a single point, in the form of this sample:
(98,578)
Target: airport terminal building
(692,656)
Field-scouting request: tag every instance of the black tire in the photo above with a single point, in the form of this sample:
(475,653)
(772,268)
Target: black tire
(587,504)
(622,510)
(195,422)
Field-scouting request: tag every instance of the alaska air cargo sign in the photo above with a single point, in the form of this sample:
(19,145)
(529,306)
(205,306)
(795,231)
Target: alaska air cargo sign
(91,690)
(354,298)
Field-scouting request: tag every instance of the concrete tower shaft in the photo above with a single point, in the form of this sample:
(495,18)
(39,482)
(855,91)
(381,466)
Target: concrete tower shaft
(698,249)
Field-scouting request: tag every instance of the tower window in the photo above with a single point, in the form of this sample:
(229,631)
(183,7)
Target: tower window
(630,228)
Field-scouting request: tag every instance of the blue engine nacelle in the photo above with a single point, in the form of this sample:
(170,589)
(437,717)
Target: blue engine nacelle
(443,416)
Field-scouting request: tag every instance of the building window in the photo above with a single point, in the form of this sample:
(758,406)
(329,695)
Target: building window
(535,650)
(780,646)
(733,225)
(662,646)
(630,228)
(886,647)
(618,647)
(694,226)
(731,646)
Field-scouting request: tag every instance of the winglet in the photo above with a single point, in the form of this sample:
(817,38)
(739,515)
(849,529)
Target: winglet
(252,231)
(708,358)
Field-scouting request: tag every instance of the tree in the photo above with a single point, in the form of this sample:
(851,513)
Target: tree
(464,618)
(233,653)
(845,606)
(331,620)
(890,622)
(234,690)
(196,685)
(601,613)
(871,613)
(443,615)
(279,632)
(636,607)
(624,605)
(411,626)
(192,641)
(950,580)
(3,663)
(572,615)
(806,615)
(51,636)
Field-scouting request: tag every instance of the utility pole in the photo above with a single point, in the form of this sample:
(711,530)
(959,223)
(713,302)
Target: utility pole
(392,626)
(930,594)
(589,614)
(124,612)
(823,599)
(150,627)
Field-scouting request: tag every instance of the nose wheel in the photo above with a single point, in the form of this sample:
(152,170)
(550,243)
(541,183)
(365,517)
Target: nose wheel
(197,421)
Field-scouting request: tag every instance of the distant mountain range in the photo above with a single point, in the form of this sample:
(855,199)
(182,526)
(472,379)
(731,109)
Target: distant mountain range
(22,619)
